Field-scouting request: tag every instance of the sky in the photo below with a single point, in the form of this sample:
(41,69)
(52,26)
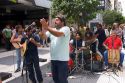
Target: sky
(123,6)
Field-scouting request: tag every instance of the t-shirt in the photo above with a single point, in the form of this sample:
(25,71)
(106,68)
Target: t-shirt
(59,47)
(113,44)
(7,32)
(32,50)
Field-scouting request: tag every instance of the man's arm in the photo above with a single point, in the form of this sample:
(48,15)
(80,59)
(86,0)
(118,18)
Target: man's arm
(105,46)
(13,40)
(34,42)
(120,44)
(55,32)
(3,33)
(50,29)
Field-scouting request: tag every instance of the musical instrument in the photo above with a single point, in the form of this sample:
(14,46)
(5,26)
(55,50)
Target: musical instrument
(98,57)
(22,47)
(17,44)
(113,56)
(70,64)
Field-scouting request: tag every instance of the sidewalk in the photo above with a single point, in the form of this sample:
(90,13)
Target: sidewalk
(2,50)
(7,64)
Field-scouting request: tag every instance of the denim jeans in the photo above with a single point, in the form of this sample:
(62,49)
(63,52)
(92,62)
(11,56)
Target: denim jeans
(106,57)
(18,57)
(59,71)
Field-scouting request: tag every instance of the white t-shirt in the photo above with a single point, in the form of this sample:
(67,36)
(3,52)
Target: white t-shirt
(59,46)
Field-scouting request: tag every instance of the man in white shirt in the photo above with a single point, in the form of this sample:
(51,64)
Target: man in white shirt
(59,37)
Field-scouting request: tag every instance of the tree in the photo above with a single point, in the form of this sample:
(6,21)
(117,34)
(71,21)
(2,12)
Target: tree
(109,17)
(78,11)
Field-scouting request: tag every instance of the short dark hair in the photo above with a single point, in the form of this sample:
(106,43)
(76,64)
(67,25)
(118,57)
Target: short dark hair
(17,27)
(62,19)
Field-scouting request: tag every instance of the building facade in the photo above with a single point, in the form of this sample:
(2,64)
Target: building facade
(22,12)
(104,5)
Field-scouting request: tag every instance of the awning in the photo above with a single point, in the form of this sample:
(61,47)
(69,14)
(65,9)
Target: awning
(43,3)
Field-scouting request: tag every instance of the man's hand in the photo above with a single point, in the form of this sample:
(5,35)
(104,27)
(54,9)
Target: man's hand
(32,40)
(106,47)
(44,24)
(21,46)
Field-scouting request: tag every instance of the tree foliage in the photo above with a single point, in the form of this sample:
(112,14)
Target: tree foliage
(109,17)
(73,8)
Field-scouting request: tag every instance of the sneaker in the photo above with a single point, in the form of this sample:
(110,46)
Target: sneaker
(40,82)
(42,60)
(17,70)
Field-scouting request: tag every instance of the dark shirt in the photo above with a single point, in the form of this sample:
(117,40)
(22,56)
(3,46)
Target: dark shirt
(93,47)
(77,43)
(101,36)
(32,50)
(88,34)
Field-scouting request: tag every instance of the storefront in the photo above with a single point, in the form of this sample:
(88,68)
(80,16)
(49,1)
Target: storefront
(22,12)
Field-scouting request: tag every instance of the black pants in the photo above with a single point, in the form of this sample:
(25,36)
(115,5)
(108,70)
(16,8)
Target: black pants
(7,44)
(60,71)
(33,67)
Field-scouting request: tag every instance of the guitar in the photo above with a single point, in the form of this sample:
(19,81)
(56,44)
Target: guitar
(23,47)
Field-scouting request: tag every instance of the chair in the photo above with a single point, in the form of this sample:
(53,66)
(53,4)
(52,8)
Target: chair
(114,58)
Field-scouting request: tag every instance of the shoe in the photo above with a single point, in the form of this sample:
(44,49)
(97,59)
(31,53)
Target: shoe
(105,67)
(42,60)
(17,70)
(120,68)
(40,82)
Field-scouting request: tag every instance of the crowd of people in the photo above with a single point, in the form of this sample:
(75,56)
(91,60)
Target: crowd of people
(64,42)
(100,41)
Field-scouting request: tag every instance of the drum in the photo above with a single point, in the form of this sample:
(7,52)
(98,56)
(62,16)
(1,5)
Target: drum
(113,56)
(70,64)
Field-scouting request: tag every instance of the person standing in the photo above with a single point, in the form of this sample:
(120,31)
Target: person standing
(7,33)
(60,37)
(16,38)
(31,56)
(117,30)
(100,33)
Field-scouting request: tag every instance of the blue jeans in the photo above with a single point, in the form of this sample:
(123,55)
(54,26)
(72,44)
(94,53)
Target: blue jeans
(18,57)
(106,58)
(59,71)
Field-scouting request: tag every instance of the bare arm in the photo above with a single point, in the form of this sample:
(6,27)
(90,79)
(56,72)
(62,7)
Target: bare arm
(50,29)
(34,42)
(105,46)
(13,40)
(55,32)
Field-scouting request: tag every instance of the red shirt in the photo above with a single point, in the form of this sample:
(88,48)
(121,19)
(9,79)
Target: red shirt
(109,41)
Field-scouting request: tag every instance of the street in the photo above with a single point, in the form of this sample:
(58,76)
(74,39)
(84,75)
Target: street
(8,60)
